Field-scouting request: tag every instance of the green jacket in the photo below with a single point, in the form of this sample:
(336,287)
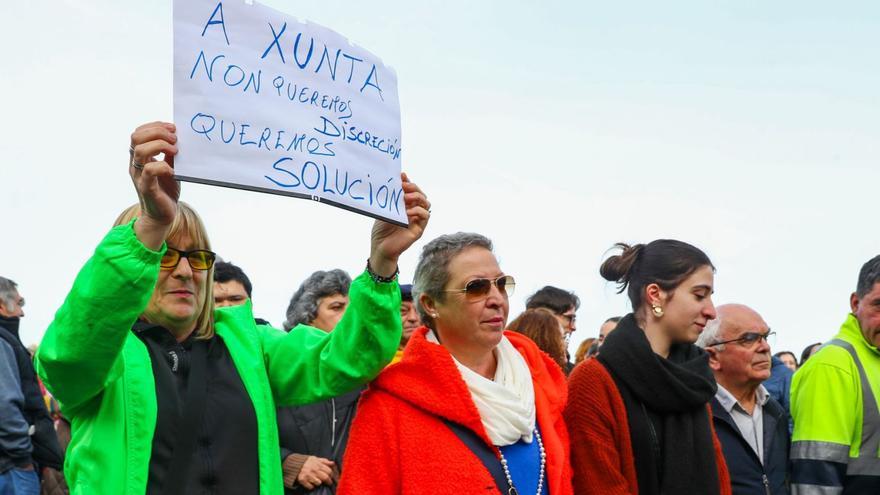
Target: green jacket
(836,441)
(101,373)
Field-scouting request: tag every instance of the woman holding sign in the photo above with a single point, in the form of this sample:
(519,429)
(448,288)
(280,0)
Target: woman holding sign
(167,395)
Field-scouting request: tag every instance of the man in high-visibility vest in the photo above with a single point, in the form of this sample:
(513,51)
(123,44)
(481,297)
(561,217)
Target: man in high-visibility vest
(834,402)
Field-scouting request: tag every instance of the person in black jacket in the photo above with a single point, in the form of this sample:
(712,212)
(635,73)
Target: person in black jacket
(315,434)
(313,437)
(751,425)
(45,453)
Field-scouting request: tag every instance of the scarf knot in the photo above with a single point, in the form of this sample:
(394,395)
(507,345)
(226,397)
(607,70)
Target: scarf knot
(507,403)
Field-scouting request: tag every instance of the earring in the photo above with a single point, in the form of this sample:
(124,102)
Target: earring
(435,315)
(658,311)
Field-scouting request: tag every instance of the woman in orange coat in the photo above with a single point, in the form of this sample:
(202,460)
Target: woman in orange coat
(471,408)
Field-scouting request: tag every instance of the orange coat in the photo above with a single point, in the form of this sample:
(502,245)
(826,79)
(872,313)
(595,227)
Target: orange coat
(400,445)
(601,453)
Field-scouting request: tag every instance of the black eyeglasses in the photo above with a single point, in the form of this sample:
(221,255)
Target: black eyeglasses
(199,259)
(479,287)
(570,318)
(749,339)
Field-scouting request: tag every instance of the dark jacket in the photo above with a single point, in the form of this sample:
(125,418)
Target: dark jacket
(15,443)
(319,429)
(747,475)
(46,451)
(779,383)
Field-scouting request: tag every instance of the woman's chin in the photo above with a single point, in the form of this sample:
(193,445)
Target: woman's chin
(493,336)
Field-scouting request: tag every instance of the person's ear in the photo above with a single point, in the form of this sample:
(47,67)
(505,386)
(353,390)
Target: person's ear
(430,307)
(714,362)
(656,299)
(654,295)
(854,303)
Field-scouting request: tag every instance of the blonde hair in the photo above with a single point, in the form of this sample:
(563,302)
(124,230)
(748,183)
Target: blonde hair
(187,223)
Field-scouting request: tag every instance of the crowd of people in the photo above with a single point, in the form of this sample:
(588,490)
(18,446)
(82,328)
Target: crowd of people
(156,377)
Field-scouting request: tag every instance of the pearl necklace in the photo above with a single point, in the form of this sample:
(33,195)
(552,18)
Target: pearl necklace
(513,490)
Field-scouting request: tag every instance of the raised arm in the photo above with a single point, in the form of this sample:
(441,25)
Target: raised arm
(81,351)
(309,365)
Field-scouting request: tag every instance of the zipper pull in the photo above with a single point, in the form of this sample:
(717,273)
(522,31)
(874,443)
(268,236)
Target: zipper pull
(766,484)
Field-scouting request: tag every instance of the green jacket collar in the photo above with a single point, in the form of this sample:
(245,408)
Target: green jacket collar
(851,332)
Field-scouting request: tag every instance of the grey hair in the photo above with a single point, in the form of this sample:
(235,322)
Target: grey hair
(303,308)
(432,271)
(711,334)
(868,276)
(8,292)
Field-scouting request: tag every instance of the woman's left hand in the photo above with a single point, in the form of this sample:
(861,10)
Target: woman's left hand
(390,241)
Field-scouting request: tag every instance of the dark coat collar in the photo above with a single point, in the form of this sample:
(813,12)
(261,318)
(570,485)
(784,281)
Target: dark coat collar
(10,324)
(773,413)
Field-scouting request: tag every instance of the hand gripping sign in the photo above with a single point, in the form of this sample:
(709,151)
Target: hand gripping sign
(266,103)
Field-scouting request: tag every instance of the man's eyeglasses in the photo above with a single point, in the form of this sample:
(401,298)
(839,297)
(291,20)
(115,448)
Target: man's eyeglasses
(748,339)
(479,288)
(199,259)
(570,319)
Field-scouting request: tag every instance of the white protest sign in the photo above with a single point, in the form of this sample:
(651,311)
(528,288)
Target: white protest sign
(266,103)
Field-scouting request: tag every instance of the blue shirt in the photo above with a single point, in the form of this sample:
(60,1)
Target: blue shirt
(524,464)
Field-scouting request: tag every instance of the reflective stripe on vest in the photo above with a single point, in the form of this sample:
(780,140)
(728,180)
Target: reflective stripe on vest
(820,451)
(868,462)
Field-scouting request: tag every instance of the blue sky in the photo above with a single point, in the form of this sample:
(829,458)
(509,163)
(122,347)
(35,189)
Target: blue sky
(556,128)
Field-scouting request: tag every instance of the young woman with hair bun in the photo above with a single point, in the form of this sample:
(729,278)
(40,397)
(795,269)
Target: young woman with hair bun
(638,414)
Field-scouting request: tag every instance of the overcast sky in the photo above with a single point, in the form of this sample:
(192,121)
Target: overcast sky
(747,128)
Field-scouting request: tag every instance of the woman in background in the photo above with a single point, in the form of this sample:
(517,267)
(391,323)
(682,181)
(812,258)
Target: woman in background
(542,326)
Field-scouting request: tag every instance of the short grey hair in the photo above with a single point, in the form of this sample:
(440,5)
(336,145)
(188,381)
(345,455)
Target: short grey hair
(8,293)
(303,308)
(868,276)
(711,334)
(432,271)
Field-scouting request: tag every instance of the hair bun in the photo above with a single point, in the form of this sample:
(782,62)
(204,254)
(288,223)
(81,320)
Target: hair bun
(617,268)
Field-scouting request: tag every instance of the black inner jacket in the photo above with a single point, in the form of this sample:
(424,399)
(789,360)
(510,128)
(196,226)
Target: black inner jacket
(310,430)
(666,405)
(225,459)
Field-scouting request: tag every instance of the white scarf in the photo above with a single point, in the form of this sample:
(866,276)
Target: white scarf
(506,404)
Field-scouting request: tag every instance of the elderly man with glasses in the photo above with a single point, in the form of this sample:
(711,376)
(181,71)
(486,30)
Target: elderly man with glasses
(752,426)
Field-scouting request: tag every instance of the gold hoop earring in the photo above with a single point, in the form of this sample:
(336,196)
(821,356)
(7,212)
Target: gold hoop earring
(658,311)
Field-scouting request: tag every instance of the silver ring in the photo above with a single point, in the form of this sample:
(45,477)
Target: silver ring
(131,159)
